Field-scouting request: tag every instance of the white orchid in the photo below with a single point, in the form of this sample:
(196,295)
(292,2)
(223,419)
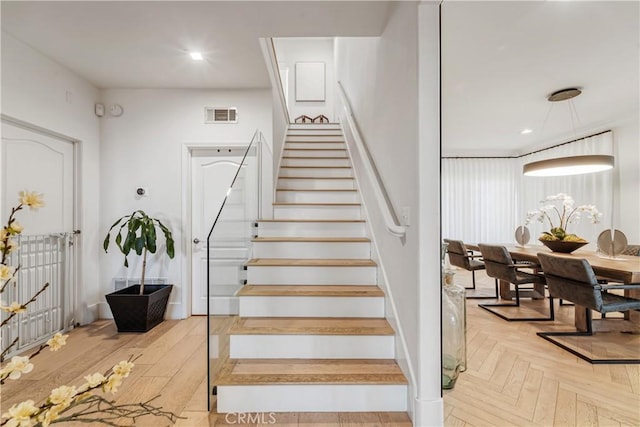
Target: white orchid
(568,215)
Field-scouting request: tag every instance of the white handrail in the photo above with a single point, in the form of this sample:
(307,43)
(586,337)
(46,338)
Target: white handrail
(378,189)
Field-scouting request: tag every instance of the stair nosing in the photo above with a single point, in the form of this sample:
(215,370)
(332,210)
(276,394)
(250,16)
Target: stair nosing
(301,291)
(319,326)
(312,220)
(315,204)
(313,239)
(316,189)
(315,167)
(316,177)
(230,378)
(311,262)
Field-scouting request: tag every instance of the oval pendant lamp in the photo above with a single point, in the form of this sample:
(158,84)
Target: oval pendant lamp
(572,165)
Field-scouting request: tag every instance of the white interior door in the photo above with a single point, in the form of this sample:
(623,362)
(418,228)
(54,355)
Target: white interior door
(38,162)
(212,172)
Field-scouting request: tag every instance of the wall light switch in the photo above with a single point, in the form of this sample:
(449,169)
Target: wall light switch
(99,109)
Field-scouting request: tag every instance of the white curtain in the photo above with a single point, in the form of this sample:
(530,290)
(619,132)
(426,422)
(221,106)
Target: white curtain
(485,199)
(478,199)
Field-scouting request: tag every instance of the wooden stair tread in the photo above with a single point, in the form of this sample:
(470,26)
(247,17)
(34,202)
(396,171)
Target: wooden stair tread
(313,239)
(314,177)
(315,167)
(311,326)
(316,189)
(310,371)
(311,220)
(312,262)
(316,149)
(321,158)
(314,204)
(313,141)
(311,290)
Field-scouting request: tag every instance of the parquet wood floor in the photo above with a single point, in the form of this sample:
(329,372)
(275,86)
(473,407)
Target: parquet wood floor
(515,378)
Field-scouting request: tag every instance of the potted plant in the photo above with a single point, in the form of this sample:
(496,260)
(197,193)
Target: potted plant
(140,307)
(557,238)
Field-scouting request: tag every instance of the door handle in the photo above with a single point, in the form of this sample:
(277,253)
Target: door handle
(196,240)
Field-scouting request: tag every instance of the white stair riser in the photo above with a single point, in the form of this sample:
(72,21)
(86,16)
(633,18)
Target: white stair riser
(315,153)
(311,306)
(315,131)
(332,145)
(311,347)
(314,126)
(311,229)
(315,161)
(317,196)
(316,172)
(258,400)
(317,212)
(315,138)
(317,184)
(321,275)
(349,250)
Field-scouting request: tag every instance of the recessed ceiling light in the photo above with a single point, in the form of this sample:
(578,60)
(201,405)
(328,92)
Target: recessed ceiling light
(196,56)
(526,131)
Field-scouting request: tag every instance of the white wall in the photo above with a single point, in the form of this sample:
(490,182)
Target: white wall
(39,91)
(380,77)
(292,50)
(144,147)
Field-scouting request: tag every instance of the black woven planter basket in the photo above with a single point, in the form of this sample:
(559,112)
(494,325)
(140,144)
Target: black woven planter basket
(139,313)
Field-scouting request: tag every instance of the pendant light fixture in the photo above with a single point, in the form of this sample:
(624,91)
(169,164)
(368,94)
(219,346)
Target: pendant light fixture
(572,165)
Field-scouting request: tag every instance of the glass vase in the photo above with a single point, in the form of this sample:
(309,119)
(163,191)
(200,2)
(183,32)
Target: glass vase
(454,318)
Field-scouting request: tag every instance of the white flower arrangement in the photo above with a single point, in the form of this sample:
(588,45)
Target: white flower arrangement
(65,403)
(569,215)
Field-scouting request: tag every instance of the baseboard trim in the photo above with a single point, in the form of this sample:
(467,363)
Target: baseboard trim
(428,413)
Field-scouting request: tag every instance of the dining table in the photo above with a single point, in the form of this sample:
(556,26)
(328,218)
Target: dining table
(620,269)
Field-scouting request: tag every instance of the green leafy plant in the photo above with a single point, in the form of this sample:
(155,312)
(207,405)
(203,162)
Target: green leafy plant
(139,230)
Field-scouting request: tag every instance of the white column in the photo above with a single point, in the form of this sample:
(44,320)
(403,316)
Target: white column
(428,405)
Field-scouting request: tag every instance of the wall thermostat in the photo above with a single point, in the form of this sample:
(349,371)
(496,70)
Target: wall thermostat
(99,110)
(141,191)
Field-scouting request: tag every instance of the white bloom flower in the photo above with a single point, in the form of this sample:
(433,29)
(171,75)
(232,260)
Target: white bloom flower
(6,272)
(50,415)
(31,199)
(15,228)
(123,369)
(62,395)
(94,380)
(20,415)
(57,341)
(17,366)
(8,245)
(14,307)
(113,382)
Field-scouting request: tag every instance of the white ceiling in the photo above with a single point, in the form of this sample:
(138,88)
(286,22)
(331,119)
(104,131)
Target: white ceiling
(500,60)
(142,44)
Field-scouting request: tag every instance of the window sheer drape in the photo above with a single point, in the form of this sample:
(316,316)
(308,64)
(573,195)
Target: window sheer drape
(485,199)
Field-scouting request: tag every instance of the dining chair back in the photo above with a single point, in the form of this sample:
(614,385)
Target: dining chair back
(500,265)
(462,257)
(573,279)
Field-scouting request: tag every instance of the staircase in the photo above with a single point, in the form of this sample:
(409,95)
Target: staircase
(311,336)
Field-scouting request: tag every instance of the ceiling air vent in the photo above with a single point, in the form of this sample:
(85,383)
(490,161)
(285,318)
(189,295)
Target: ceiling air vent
(220,115)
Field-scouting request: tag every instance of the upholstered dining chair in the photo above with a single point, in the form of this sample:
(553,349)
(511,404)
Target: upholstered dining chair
(461,257)
(500,266)
(573,279)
